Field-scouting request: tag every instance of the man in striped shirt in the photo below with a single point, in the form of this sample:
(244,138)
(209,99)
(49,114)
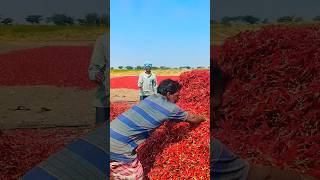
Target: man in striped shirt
(84,158)
(134,126)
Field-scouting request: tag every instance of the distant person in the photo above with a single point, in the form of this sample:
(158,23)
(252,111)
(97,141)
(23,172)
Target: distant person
(134,126)
(224,164)
(99,73)
(147,82)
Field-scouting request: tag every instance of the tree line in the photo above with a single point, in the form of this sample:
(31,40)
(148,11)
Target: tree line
(155,67)
(60,19)
(250,19)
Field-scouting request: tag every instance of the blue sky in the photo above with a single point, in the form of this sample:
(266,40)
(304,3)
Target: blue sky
(170,33)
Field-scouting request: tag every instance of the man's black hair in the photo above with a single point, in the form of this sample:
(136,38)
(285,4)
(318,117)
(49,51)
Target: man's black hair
(168,86)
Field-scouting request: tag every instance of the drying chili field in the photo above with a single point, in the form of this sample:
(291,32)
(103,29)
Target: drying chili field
(271,109)
(66,67)
(50,75)
(131,82)
(62,66)
(179,150)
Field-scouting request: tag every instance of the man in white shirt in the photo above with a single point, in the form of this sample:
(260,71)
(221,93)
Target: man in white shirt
(147,82)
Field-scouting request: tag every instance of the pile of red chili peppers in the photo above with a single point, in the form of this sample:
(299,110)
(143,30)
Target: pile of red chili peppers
(271,109)
(21,150)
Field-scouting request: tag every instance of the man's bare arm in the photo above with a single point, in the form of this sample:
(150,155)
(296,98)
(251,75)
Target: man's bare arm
(195,119)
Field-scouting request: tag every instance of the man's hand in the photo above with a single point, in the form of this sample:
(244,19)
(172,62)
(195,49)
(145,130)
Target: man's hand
(195,119)
(99,77)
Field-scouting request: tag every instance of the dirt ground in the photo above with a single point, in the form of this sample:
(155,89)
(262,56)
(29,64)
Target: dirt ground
(45,106)
(127,95)
(48,106)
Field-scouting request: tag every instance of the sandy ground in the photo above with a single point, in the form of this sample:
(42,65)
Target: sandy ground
(120,95)
(48,106)
(45,106)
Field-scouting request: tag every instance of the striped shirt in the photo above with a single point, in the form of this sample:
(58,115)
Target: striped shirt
(84,158)
(134,126)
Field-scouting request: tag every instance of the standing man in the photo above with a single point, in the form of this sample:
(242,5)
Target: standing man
(147,82)
(99,73)
(134,126)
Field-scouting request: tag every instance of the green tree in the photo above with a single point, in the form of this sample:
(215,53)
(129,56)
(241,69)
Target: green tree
(92,19)
(129,67)
(61,19)
(7,21)
(185,67)
(120,67)
(250,19)
(317,18)
(139,67)
(34,19)
(285,19)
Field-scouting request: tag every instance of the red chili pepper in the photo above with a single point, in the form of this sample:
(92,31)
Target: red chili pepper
(270,106)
